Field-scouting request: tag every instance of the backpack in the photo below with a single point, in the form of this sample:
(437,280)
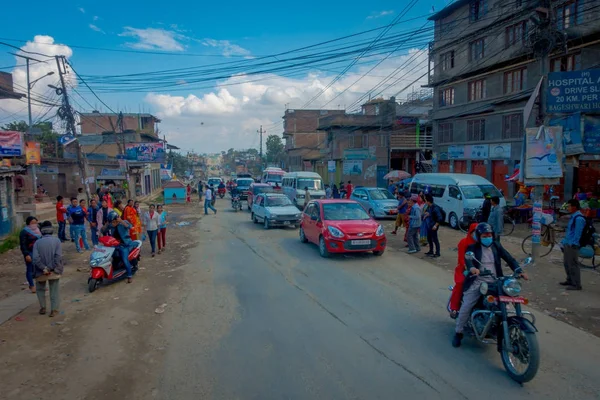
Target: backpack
(442,214)
(587,235)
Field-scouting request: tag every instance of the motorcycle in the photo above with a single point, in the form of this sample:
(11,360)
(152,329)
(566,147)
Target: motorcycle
(491,322)
(221,192)
(106,262)
(236,204)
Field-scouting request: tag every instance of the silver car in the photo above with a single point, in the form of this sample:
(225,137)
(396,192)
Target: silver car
(378,202)
(274,209)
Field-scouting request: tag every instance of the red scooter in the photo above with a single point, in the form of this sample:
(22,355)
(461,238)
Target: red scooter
(106,263)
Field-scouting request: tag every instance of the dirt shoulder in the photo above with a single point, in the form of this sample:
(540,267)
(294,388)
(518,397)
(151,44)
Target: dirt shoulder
(580,309)
(99,339)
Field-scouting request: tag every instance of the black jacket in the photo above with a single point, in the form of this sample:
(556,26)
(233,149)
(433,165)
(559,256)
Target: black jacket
(486,209)
(26,242)
(500,254)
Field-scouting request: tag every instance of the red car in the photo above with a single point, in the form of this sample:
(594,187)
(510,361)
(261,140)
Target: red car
(341,226)
(257,188)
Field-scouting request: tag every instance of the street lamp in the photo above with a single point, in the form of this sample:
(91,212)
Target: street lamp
(38,79)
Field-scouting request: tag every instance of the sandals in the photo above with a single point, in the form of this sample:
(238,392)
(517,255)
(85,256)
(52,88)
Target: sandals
(129,280)
(42,311)
(53,313)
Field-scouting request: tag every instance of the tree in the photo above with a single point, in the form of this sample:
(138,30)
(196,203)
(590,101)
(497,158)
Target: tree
(48,139)
(180,163)
(274,149)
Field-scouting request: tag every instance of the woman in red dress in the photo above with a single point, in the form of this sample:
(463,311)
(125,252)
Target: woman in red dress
(459,272)
(188,198)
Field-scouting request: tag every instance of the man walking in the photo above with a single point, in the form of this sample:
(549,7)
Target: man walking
(208,197)
(496,218)
(92,215)
(414,226)
(433,210)
(61,211)
(77,220)
(48,267)
(571,245)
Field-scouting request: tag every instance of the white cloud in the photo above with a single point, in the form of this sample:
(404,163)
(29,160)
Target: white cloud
(95,28)
(154,39)
(82,10)
(380,14)
(228,49)
(228,116)
(96,18)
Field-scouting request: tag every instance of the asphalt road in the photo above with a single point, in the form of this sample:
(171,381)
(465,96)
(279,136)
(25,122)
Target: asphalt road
(262,316)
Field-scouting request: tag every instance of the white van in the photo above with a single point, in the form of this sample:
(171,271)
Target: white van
(294,183)
(273,176)
(457,194)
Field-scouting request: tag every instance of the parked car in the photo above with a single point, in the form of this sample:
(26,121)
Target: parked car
(274,209)
(341,226)
(379,203)
(294,183)
(255,189)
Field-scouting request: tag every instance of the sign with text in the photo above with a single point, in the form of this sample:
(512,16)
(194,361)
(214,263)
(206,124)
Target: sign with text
(32,153)
(591,134)
(456,152)
(543,152)
(353,167)
(502,150)
(150,152)
(478,151)
(11,143)
(356,154)
(573,91)
(331,166)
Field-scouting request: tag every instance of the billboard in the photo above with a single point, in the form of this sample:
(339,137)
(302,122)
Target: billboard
(11,143)
(573,91)
(32,153)
(544,152)
(166,172)
(147,152)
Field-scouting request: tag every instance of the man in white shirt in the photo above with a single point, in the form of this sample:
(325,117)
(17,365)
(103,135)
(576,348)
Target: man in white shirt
(208,196)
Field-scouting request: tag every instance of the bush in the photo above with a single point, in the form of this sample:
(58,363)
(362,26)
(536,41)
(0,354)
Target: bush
(9,243)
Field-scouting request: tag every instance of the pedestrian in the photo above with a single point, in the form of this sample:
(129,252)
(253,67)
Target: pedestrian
(61,211)
(571,244)
(102,216)
(108,198)
(401,209)
(188,193)
(81,195)
(423,232)
(27,238)
(486,208)
(349,189)
(306,196)
(48,264)
(130,215)
(414,226)
(496,218)
(208,198)
(434,212)
(328,192)
(118,208)
(335,191)
(392,187)
(71,230)
(92,216)
(151,220)
(77,221)
(162,227)
(200,186)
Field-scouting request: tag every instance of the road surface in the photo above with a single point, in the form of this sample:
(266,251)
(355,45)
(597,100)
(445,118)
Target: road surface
(262,316)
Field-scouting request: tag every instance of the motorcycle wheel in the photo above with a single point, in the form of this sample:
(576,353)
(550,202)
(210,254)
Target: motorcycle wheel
(525,351)
(92,284)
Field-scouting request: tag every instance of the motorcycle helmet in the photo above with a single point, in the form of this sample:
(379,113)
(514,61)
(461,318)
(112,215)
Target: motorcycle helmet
(482,228)
(112,216)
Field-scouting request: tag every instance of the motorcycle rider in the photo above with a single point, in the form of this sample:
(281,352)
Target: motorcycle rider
(235,192)
(119,229)
(489,255)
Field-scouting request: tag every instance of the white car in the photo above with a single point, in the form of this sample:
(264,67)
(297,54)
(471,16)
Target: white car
(274,209)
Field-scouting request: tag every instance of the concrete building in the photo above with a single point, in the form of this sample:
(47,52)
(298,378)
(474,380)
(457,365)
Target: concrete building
(6,87)
(485,61)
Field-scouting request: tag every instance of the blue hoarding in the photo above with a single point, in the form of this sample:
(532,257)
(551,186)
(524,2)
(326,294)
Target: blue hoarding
(573,91)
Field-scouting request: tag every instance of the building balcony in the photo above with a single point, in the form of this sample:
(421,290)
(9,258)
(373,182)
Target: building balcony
(411,141)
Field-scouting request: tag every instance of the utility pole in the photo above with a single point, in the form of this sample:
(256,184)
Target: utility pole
(66,113)
(261,146)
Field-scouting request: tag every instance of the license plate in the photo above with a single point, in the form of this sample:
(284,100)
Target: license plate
(360,242)
(286,222)
(393,211)
(508,299)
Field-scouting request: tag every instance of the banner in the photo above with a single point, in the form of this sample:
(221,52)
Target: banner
(66,140)
(148,152)
(166,172)
(32,153)
(11,143)
(572,136)
(353,167)
(543,155)
(591,134)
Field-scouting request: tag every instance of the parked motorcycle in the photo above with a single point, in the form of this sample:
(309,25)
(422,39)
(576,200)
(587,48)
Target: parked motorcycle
(236,203)
(106,262)
(498,318)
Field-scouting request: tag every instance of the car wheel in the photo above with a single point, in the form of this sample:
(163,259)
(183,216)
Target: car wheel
(323,248)
(303,238)
(378,253)
(372,213)
(453,221)
(266,223)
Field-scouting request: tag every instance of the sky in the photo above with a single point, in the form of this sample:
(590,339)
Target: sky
(214,74)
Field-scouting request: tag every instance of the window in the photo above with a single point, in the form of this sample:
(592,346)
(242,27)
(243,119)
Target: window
(447,60)
(569,14)
(310,209)
(571,62)
(515,81)
(361,194)
(477,90)
(454,192)
(351,141)
(446,97)
(476,49)
(512,126)
(476,130)
(515,34)
(446,132)
(445,27)
(477,9)
(365,140)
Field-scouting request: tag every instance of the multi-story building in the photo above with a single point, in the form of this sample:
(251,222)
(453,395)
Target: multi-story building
(487,57)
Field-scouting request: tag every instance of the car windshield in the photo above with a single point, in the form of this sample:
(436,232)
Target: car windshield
(244,182)
(478,191)
(278,201)
(310,183)
(263,189)
(344,212)
(275,178)
(381,194)
(214,181)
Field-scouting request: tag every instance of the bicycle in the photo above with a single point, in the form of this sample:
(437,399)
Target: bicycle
(467,219)
(547,240)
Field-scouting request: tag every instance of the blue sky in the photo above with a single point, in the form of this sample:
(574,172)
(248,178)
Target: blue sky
(228,115)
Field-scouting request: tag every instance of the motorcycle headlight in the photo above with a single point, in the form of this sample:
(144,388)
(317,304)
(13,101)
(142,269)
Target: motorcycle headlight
(335,232)
(379,231)
(511,287)
(483,289)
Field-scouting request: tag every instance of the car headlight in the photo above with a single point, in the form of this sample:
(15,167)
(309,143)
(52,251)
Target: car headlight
(298,215)
(300,196)
(335,232)
(511,287)
(470,211)
(379,231)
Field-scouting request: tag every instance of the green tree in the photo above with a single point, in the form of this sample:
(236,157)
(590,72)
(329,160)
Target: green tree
(179,162)
(274,149)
